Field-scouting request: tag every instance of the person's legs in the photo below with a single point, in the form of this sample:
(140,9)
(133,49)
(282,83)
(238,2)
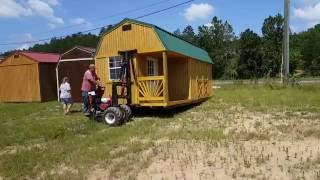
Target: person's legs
(85,100)
(64,108)
(70,103)
(69,108)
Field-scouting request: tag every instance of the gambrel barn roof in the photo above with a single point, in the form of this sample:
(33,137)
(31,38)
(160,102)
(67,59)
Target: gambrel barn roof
(170,42)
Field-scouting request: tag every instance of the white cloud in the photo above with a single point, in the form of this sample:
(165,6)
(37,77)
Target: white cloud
(45,10)
(53,2)
(42,8)
(78,21)
(12,9)
(308,2)
(26,37)
(309,12)
(81,21)
(23,47)
(198,11)
(208,25)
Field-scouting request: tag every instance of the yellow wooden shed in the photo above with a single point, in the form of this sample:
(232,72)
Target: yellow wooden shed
(168,71)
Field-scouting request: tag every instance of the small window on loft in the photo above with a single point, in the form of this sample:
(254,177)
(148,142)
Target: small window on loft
(126,27)
(16,56)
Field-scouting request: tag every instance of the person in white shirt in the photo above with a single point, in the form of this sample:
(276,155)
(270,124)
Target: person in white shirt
(65,95)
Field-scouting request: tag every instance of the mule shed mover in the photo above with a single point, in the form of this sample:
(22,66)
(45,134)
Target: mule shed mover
(73,64)
(28,77)
(168,71)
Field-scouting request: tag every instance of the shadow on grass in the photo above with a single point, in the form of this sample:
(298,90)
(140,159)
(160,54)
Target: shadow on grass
(162,112)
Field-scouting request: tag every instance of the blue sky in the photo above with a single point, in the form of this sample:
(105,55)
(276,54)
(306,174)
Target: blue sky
(28,20)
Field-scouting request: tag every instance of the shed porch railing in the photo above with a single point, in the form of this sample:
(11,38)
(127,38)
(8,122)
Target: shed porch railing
(151,88)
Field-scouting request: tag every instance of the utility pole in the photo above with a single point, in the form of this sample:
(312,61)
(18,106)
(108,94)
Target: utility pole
(286,31)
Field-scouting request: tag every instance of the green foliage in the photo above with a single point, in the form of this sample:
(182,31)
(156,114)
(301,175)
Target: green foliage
(272,34)
(217,39)
(310,50)
(189,35)
(105,29)
(250,50)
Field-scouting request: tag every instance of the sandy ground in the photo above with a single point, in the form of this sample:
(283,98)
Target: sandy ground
(269,145)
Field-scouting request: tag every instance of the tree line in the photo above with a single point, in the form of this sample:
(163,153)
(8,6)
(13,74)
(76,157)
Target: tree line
(247,56)
(251,55)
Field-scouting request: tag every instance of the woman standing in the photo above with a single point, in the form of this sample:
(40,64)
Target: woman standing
(65,95)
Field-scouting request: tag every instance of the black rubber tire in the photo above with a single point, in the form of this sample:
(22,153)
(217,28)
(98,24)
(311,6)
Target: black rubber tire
(127,113)
(113,116)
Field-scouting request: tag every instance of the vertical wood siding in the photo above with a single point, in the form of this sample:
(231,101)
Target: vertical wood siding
(48,81)
(199,70)
(75,71)
(178,79)
(19,79)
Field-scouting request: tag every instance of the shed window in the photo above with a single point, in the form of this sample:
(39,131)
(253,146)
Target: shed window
(126,27)
(115,67)
(152,66)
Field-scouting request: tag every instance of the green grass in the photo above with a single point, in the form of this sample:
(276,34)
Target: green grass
(305,98)
(37,138)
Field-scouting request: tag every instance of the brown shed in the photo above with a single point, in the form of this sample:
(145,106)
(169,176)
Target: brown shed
(28,77)
(73,64)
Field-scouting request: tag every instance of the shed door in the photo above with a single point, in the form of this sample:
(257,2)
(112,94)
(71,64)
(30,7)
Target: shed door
(152,67)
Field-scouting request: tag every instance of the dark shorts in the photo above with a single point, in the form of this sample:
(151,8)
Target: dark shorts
(66,101)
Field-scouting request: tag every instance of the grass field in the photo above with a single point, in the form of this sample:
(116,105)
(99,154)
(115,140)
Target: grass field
(248,132)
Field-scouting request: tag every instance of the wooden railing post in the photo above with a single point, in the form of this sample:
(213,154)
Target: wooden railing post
(165,74)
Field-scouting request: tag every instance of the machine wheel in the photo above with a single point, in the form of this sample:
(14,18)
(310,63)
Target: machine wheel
(127,113)
(113,116)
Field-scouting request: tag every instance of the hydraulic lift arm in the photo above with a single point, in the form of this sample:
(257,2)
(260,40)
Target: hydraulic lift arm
(125,78)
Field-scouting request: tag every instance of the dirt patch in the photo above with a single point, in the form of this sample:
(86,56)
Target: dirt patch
(249,160)
(249,125)
(60,172)
(98,174)
(257,145)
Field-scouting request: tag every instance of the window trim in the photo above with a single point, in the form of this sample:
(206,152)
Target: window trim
(109,68)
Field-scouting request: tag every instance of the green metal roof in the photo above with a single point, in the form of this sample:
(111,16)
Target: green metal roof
(172,42)
(175,44)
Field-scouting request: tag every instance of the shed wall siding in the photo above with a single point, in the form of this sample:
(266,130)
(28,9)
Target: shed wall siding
(199,70)
(19,83)
(48,81)
(74,70)
(178,79)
